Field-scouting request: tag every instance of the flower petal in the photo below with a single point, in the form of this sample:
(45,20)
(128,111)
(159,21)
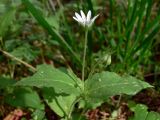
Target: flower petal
(83,15)
(92,20)
(88,16)
(78,17)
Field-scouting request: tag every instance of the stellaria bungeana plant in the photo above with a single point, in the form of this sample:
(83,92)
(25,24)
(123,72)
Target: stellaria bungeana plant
(86,22)
(62,89)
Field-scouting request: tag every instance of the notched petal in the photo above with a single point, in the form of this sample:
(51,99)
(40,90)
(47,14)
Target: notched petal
(88,15)
(78,17)
(93,19)
(83,15)
(75,18)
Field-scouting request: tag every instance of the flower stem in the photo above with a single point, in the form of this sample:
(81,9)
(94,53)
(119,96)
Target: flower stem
(84,54)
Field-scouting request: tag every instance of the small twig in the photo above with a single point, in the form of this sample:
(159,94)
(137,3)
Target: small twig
(52,4)
(19,60)
(119,100)
(152,74)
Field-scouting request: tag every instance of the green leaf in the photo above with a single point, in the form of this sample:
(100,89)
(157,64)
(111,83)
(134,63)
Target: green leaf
(5,82)
(59,103)
(103,85)
(6,20)
(24,97)
(48,76)
(25,52)
(53,21)
(78,116)
(153,116)
(38,115)
(2,8)
(141,113)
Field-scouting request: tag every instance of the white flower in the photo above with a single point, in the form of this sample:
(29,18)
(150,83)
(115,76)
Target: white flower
(85,21)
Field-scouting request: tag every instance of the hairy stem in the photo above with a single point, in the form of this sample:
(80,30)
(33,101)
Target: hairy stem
(84,54)
(69,117)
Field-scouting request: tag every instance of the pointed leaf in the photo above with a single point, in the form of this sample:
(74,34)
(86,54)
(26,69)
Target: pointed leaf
(59,103)
(141,113)
(24,97)
(103,85)
(5,82)
(48,76)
